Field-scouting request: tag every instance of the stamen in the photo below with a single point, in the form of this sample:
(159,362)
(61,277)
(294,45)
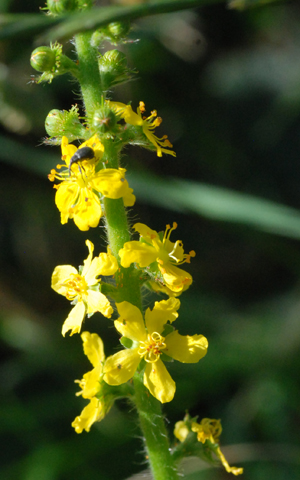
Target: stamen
(142,107)
(152,348)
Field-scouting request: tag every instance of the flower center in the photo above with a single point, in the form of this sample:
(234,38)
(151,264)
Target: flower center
(76,286)
(152,348)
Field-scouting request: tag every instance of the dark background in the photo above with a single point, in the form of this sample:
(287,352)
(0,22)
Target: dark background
(227,85)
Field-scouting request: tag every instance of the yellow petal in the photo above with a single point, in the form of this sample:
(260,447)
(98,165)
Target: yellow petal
(93,348)
(92,413)
(74,320)
(128,197)
(97,302)
(107,263)
(60,275)
(92,273)
(163,311)
(66,196)
(176,249)
(158,287)
(186,349)
(130,323)
(87,212)
(87,262)
(126,112)
(146,232)
(90,383)
(110,182)
(67,150)
(159,382)
(121,367)
(176,279)
(181,430)
(137,252)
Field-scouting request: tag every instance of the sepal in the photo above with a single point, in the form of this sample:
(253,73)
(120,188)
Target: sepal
(113,69)
(126,342)
(109,290)
(66,123)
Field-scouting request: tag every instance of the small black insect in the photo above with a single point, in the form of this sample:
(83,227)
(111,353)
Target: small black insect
(84,153)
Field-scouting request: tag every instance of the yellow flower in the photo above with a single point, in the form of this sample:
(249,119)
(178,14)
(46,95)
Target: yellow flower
(91,385)
(79,194)
(148,125)
(92,413)
(181,430)
(167,254)
(211,429)
(149,344)
(82,287)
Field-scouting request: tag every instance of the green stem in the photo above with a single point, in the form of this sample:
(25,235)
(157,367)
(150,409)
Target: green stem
(154,430)
(89,76)
(127,281)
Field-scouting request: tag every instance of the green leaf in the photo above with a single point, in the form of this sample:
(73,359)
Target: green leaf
(13,25)
(71,24)
(243,4)
(218,204)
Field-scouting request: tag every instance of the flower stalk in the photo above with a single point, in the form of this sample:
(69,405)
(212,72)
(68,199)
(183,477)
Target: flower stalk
(127,282)
(92,187)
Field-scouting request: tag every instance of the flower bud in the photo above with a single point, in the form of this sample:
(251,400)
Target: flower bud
(113,69)
(114,32)
(118,30)
(113,61)
(43,59)
(58,7)
(104,119)
(61,123)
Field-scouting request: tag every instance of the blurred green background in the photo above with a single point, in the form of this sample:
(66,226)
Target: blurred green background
(227,85)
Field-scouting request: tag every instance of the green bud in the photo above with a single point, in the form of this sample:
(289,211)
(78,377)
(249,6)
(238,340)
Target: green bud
(52,62)
(113,69)
(118,30)
(113,61)
(61,123)
(58,7)
(114,33)
(104,119)
(43,59)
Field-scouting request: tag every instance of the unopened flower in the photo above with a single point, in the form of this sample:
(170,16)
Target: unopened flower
(79,194)
(210,430)
(92,384)
(181,430)
(148,125)
(149,344)
(82,288)
(154,247)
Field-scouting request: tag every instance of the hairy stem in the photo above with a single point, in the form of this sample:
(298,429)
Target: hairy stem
(127,280)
